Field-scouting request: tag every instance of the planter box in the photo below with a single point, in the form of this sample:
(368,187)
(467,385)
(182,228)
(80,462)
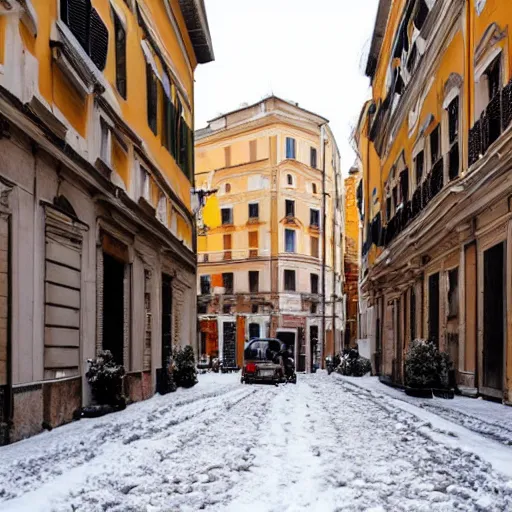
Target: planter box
(419,393)
(444,393)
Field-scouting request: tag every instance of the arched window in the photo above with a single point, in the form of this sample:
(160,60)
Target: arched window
(314,188)
(289,179)
(228,188)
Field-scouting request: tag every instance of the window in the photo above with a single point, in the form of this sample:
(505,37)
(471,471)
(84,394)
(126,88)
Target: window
(314,283)
(289,237)
(289,180)
(313,187)
(254,308)
(227,282)
(254,211)
(120,56)
(227,247)
(227,216)
(145,184)
(226,309)
(161,209)
(253,151)
(202,309)
(152,97)
(453,293)
(404,186)
(289,280)
(314,247)
(253,244)
(314,308)
(254,281)
(493,74)
(86,25)
(289,208)
(254,331)
(453,138)
(312,157)
(227,188)
(435,147)
(169,117)
(227,156)
(290,147)
(419,164)
(106,143)
(205,285)
(395,197)
(314,218)
(388,208)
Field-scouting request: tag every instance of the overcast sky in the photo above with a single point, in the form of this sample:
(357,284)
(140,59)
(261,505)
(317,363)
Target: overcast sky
(309,52)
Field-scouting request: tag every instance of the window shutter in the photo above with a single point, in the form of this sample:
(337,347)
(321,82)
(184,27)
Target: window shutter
(120,56)
(152,98)
(98,41)
(76,15)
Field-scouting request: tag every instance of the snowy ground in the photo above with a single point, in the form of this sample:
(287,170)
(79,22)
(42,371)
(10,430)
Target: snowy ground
(326,444)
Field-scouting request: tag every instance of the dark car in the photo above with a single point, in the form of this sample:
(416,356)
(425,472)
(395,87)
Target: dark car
(262,361)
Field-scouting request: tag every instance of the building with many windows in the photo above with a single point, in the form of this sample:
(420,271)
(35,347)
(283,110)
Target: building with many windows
(97,245)
(435,198)
(270,244)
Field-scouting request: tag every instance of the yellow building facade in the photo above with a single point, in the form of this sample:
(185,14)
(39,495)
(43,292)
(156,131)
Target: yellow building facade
(434,144)
(267,266)
(97,225)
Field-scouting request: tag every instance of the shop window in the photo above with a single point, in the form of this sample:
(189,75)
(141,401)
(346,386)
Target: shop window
(289,280)
(289,235)
(227,216)
(254,281)
(227,282)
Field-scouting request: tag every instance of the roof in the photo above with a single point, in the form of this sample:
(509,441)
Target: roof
(194,13)
(379,31)
(272,96)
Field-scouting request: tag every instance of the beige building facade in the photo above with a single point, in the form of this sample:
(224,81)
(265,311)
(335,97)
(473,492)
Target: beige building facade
(270,247)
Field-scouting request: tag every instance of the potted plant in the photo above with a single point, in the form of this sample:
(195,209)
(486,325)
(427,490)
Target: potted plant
(185,372)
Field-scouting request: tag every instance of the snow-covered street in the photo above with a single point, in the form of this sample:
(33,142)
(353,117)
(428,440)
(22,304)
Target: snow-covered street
(322,445)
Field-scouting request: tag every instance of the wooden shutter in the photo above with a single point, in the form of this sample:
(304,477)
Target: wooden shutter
(152,98)
(98,41)
(120,56)
(76,15)
(63,263)
(227,247)
(253,244)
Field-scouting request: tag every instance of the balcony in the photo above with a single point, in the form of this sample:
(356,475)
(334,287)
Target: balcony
(495,119)
(232,255)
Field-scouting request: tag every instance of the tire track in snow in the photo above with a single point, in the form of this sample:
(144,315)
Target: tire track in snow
(48,456)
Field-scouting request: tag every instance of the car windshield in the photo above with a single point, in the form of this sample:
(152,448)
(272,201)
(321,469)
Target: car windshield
(262,350)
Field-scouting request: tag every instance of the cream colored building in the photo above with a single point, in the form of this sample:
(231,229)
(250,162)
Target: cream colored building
(267,266)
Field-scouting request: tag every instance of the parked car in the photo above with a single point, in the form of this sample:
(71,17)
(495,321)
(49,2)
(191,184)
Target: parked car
(262,362)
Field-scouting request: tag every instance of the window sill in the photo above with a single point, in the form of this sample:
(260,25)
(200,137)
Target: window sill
(74,62)
(147,206)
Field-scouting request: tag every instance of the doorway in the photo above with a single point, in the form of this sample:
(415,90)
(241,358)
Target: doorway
(254,331)
(433,308)
(113,307)
(288,338)
(166,320)
(313,343)
(229,344)
(494,317)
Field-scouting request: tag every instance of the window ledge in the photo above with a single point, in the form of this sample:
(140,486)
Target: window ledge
(29,17)
(104,168)
(43,112)
(74,62)
(147,207)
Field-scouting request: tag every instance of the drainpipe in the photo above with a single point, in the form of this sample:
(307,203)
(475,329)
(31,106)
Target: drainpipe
(324,215)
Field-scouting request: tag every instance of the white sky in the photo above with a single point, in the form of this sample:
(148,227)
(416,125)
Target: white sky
(308,52)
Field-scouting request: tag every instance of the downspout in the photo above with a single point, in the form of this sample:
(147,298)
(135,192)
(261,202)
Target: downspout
(333,243)
(324,218)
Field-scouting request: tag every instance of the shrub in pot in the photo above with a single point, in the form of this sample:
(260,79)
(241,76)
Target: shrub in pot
(105,377)
(354,365)
(426,367)
(185,372)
